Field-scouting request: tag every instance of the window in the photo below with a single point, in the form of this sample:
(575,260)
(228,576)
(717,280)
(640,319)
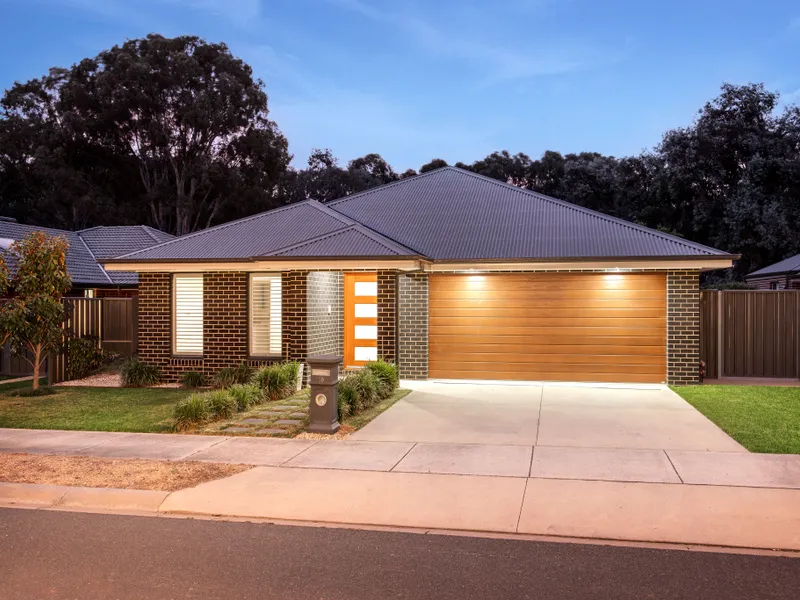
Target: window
(773,285)
(265,315)
(187,304)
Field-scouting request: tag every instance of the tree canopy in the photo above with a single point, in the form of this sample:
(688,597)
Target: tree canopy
(175,133)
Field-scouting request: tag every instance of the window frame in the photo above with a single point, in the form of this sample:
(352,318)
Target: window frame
(174,314)
(250,353)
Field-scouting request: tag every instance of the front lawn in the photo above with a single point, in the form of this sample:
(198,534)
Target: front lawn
(92,409)
(762,419)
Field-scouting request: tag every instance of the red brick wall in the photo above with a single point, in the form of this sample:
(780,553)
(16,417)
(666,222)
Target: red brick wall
(225,323)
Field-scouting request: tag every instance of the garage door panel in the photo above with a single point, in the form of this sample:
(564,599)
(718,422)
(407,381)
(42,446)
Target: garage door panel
(558,281)
(558,359)
(499,375)
(491,348)
(553,312)
(589,327)
(540,294)
(579,320)
(536,331)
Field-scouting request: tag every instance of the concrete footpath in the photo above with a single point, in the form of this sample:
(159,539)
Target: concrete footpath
(714,498)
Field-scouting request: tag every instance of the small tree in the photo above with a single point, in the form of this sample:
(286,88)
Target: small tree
(35,316)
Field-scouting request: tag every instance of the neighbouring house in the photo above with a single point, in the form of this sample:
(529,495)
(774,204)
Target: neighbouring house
(783,275)
(86,248)
(449,274)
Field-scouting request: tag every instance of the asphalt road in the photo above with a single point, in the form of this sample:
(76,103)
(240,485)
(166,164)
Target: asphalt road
(47,554)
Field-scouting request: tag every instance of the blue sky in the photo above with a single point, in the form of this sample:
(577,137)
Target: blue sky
(413,80)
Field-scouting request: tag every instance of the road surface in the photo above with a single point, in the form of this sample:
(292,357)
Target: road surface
(49,554)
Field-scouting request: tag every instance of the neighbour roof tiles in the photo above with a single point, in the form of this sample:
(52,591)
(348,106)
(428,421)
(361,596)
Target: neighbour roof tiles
(89,245)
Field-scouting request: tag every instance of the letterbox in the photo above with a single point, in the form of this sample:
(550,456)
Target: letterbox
(323,408)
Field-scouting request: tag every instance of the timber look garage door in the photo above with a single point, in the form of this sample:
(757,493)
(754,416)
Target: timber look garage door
(605,327)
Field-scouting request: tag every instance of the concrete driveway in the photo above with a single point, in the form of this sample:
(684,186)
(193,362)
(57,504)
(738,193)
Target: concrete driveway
(559,415)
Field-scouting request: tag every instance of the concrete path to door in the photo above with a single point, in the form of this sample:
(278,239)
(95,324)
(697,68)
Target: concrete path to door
(548,415)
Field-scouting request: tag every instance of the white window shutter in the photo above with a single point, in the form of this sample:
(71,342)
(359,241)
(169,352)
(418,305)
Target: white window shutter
(188,318)
(265,315)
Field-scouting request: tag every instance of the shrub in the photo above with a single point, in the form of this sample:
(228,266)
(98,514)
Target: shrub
(348,397)
(193,379)
(277,380)
(191,411)
(83,357)
(221,404)
(228,376)
(367,388)
(246,395)
(136,373)
(386,376)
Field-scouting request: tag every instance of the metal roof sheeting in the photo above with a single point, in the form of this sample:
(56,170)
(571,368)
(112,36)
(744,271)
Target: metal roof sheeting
(258,235)
(453,214)
(354,240)
(446,214)
(786,266)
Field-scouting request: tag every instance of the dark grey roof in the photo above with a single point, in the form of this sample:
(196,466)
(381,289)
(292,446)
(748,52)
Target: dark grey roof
(446,214)
(787,266)
(89,245)
(353,241)
(291,230)
(453,214)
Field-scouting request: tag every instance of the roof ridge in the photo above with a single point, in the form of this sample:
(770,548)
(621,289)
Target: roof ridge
(355,226)
(593,213)
(386,186)
(217,227)
(146,229)
(89,250)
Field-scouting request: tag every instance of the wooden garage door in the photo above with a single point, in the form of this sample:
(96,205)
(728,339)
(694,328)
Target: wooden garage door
(552,327)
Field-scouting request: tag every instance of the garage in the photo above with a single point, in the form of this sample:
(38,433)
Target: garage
(593,327)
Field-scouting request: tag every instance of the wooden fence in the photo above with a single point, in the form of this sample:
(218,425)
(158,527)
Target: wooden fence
(750,333)
(113,321)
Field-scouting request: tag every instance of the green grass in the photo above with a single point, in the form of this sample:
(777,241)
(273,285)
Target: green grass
(760,418)
(92,409)
(19,385)
(360,419)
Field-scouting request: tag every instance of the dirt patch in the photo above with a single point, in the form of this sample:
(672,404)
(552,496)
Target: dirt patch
(343,433)
(113,380)
(161,475)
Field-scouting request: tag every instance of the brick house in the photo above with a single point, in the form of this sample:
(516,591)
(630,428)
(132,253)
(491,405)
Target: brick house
(783,275)
(449,274)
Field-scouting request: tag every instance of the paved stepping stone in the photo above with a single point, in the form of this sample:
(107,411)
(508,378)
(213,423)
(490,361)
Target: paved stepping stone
(287,422)
(270,431)
(252,421)
(237,430)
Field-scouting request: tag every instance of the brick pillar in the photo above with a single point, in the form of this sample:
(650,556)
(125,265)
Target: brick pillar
(683,327)
(412,343)
(294,305)
(224,320)
(155,308)
(387,315)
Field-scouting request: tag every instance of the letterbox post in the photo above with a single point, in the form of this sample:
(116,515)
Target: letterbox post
(323,408)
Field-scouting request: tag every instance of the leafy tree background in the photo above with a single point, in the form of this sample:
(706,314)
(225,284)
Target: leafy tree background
(176,133)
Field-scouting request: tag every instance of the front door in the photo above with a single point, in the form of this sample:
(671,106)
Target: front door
(360,318)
